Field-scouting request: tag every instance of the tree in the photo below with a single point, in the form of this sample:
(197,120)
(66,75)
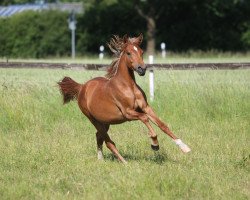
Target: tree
(102,19)
(35,34)
(147,10)
(137,10)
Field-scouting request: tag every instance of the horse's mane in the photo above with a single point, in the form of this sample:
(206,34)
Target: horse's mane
(116,46)
(111,70)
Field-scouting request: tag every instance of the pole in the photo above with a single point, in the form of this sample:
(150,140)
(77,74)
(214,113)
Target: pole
(72,27)
(163,51)
(151,78)
(101,54)
(151,84)
(73,49)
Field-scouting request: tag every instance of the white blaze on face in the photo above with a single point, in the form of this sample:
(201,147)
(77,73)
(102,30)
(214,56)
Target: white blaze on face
(135,48)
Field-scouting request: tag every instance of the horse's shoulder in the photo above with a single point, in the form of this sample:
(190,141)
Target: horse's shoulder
(139,93)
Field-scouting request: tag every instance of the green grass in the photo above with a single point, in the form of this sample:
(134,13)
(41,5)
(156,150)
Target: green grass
(48,151)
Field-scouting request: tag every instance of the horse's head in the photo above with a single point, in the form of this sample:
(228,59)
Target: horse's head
(133,54)
(128,51)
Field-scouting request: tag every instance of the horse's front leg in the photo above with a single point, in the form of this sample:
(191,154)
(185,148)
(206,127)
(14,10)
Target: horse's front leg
(153,117)
(134,115)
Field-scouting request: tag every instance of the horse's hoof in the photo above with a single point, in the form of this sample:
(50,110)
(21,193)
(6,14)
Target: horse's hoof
(155,147)
(125,162)
(185,149)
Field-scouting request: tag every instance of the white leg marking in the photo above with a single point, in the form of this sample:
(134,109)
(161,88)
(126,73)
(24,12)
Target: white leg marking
(99,154)
(152,143)
(182,146)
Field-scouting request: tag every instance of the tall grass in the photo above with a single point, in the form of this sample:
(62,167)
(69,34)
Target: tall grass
(48,151)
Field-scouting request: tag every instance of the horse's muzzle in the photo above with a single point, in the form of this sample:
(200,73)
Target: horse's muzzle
(141,71)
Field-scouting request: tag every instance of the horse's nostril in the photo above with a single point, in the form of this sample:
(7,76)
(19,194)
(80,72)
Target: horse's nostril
(141,71)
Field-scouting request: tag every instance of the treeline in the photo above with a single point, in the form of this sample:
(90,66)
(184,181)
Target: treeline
(222,25)
(35,34)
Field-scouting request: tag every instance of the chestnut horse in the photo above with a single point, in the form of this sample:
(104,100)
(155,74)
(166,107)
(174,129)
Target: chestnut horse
(117,98)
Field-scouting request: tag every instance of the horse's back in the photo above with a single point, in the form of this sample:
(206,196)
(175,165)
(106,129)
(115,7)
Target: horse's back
(89,88)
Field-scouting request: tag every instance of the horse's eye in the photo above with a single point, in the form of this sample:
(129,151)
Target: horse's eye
(128,53)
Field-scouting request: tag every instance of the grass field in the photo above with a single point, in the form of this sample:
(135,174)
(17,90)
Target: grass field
(48,151)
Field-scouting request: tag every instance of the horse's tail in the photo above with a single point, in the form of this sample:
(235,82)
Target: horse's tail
(69,89)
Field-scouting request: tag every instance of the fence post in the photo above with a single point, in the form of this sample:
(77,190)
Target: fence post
(101,54)
(151,78)
(163,50)
(72,27)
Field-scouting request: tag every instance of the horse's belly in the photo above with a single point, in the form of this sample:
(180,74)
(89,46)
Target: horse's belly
(107,114)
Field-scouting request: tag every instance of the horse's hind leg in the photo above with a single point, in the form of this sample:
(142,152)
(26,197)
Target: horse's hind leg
(111,145)
(102,136)
(99,140)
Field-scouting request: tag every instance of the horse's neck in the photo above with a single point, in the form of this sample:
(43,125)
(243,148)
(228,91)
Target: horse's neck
(125,74)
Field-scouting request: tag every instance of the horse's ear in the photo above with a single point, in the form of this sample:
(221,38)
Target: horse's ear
(139,39)
(125,38)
